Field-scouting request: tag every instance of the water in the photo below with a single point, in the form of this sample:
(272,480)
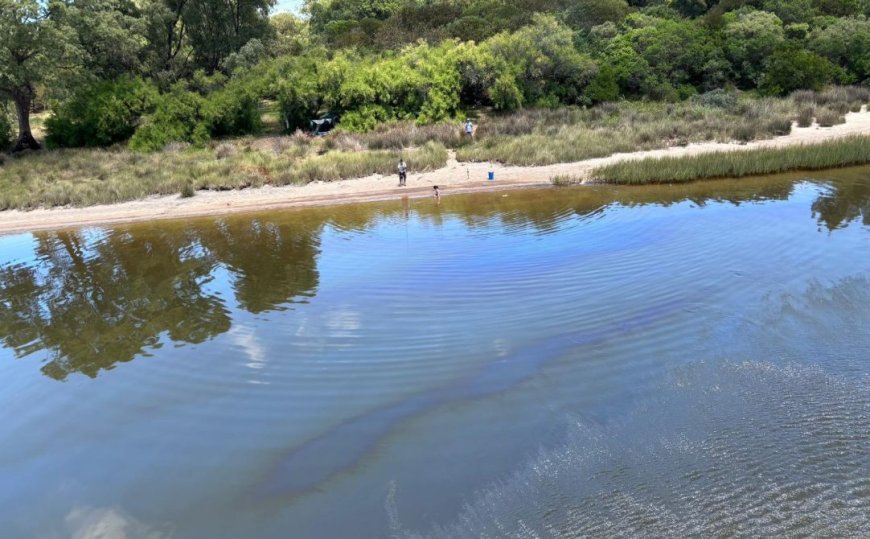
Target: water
(659,361)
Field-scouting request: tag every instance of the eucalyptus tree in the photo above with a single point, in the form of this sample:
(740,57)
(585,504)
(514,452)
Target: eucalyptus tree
(34,50)
(218,28)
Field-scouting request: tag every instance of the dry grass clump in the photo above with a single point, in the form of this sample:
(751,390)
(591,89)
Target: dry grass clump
(187,190)
(397,136)
(805,116)
(837,95)
(225,150)
(837,153)
(175,147)
(829,116)
(541,137)
(341,165)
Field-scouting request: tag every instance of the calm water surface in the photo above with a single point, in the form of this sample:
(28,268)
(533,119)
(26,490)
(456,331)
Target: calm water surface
(659,361)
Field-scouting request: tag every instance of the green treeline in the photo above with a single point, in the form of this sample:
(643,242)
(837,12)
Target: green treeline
(154,72)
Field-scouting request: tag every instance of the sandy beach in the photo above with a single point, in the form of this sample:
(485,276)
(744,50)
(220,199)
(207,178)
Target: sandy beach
(454,178)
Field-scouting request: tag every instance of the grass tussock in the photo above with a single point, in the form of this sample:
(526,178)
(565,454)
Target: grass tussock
(563,180)
(829,116)
(847,151)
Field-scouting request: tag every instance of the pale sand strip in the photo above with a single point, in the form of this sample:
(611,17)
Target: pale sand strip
(454,178)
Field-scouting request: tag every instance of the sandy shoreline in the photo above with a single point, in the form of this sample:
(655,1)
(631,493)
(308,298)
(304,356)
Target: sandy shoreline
(454,178)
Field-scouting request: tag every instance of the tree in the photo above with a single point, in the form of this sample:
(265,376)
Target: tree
(792,68)
(690,8)
(217,28)
(291,35)
(5,128)
(543,60)
(588,13)
(168,51)
(33,50)
(846,42)
(110,35)
(750,37)
(100,113)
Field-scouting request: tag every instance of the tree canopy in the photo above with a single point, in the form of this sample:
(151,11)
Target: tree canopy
(158,71)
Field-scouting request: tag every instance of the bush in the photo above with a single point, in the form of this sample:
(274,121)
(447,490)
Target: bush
(234,110)
(100,114)
(179,116)
(716,98)
(790,69)
(603,87)
(184,116)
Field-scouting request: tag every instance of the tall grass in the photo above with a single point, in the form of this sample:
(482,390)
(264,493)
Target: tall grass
(543,137)
(854,150)
(87,177)
(537,137)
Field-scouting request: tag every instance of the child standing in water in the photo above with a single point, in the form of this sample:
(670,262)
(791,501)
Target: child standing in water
(435,192)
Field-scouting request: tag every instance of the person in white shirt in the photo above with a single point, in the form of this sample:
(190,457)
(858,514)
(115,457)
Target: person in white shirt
(403,173)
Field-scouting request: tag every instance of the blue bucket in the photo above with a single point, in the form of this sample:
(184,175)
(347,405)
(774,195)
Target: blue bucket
(491,175)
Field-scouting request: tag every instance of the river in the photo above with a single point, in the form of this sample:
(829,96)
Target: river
(685,360)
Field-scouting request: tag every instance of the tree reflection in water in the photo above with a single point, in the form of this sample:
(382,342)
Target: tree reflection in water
(842,204)
(93,300)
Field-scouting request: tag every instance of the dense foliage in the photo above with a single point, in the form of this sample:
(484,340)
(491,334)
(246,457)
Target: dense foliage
(160,71)
(5,128)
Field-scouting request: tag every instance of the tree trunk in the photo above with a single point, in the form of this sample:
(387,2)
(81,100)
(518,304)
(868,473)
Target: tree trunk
(25,137)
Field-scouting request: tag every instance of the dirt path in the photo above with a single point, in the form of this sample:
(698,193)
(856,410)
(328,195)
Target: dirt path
(455,177)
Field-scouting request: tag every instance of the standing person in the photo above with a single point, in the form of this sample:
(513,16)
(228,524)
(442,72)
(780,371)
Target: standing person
(469,128)
(436,193)
(403,173)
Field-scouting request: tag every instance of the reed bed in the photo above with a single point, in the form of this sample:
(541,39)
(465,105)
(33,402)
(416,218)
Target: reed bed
(854,150)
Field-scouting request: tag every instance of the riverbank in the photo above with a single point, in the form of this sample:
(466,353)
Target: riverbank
(454,178)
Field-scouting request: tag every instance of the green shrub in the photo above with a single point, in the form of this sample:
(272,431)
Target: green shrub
(603,87)
(234,110)
(365,118)
(184,116)
(179,116)
(100,114)
(790,69)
